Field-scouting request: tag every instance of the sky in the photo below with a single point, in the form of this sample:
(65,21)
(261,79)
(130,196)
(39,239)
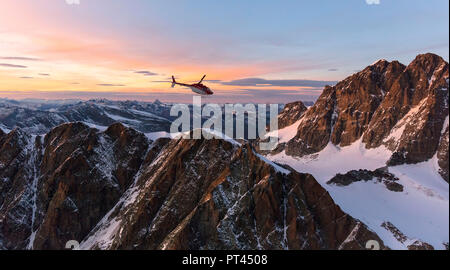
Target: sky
(252,51)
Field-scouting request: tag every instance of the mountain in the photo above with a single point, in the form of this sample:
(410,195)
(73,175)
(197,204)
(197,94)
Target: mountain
(291,113)
(66,179)
(115,189)
(342,112)
(367,161)
(39,116)
(387,104)
(415,109)
(378,142)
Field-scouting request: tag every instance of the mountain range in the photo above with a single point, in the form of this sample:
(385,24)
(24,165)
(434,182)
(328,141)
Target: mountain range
(368,161)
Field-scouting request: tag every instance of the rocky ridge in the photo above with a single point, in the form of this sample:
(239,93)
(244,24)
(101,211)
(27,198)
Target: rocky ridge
(114,189)
(403,108)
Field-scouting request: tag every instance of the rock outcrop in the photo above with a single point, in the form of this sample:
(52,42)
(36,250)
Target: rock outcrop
(380,175)
(213,194)
(290,114)
(386,104)
(442,154)
(117,190)
(343,112)
(19,162)
(314,129)
(412,244)
(59,188)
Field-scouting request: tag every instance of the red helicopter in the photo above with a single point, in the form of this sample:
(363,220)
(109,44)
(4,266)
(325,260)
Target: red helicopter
(198,88)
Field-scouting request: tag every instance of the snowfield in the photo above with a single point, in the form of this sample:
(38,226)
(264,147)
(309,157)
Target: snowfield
(285,134)
(420,212)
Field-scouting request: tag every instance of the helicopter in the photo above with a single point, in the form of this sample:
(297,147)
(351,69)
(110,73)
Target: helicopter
(198,88)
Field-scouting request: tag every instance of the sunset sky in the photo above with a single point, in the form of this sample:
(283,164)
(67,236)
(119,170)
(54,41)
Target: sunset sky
(252,51)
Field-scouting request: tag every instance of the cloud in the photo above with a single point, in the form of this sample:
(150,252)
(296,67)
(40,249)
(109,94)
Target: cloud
(146,73)
(110,84)
(12,65)
(373,2)
(20,58)
(264,82)
(26,77)
(333,69)
(44,74)
(161,81)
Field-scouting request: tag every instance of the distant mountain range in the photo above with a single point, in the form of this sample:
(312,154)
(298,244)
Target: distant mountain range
(40,116)
(368,161)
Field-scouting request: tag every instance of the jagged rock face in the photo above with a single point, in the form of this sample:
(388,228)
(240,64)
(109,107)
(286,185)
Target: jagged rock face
(82,175)
(343,112)
(290,114)
(358,97)
(411,117)
(212,194)
(315,125)
(91,173)
(19,160)
(402,108)
(113,191)
(442,155)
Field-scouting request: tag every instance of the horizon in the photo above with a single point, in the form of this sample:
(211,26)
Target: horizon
(77,100)
(263,53)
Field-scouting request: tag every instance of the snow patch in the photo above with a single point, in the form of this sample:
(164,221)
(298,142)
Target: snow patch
(287,133)
(278,168)
(4,129)
(104,237)
(398,130)
(153,136)
(334,159)
(121,119)
(148,114)
(378,61)
(421,211)
(222,136)
(100,128)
